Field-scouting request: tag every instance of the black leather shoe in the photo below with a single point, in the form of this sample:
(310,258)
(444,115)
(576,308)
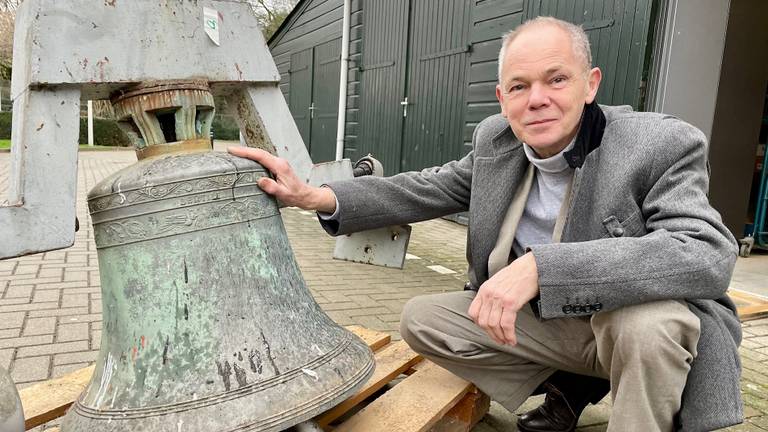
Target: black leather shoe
(567,396)
(554,415)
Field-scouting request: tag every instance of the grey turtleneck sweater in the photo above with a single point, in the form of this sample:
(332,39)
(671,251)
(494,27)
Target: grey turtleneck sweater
(552,177)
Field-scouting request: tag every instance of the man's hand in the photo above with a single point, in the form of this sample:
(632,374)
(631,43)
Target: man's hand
(287,187)
(499,299)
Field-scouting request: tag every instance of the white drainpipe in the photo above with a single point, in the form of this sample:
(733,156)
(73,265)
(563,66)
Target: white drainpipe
(340,127)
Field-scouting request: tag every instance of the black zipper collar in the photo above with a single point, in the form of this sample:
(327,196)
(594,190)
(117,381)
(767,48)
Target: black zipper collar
(589,137)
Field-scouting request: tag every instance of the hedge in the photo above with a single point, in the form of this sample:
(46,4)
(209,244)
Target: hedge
(105,132)
(225,128)
(5,125)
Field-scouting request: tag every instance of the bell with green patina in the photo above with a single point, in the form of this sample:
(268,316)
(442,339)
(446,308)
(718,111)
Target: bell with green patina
(207,322)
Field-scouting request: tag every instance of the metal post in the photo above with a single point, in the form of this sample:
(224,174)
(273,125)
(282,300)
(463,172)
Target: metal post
(343,82)
(90,123)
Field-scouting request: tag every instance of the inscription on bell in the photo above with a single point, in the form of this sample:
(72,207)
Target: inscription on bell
(199,199)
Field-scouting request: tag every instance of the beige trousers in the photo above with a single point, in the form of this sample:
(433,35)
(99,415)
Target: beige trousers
(645,350)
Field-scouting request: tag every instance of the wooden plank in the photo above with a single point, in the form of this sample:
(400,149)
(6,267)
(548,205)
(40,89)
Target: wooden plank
(756,306)
(414,405)
(752,312)
(465,414)
(390,363)
(50,399)
(375,339)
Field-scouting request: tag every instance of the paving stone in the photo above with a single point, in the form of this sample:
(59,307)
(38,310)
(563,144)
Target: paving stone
(75,275)
(26,269)
(25,341)
(39,326)
(76,258)
(6,357)
(14,301)
(52,348)
(19,291)
(758,341)
(95,339)
(50,272)
(72,332)
(11,320)
(59,371)
(74,300)
(81,318)
(42,296)
(31,369)
(10,333)
(17,281)
(77,311)
(76,357)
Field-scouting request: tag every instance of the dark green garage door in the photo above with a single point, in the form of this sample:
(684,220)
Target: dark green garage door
(413,81)
(618,34)
(314,97)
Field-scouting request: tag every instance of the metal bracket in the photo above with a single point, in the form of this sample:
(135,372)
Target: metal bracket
(65,52)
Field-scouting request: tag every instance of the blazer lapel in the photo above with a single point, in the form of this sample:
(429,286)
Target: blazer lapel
(494,183)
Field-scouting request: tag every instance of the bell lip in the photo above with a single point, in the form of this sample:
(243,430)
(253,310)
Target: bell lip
(279,421)
(245,391)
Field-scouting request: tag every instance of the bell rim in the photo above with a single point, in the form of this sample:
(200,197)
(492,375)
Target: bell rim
(278,421)
(225,396)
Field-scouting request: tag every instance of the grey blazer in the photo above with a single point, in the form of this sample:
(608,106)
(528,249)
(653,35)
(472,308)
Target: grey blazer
(638,228)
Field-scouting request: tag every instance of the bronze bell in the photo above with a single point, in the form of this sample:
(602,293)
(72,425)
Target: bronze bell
(208,323)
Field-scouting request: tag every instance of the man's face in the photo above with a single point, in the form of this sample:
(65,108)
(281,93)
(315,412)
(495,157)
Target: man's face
(543,89)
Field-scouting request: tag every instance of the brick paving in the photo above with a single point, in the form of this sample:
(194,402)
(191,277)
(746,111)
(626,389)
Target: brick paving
(50,307)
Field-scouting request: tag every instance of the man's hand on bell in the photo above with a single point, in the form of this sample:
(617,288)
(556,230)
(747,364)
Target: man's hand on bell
(499,299)
(287,187)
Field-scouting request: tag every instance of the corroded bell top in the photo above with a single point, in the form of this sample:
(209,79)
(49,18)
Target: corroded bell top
(163,117)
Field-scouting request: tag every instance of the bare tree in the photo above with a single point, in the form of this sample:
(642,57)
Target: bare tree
(7,16)
(271,13)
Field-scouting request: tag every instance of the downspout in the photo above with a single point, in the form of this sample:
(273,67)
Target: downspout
(341,125)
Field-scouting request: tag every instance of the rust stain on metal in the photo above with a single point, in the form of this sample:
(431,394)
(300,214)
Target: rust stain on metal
(165,349)
(269,353)
(100,64)
(110,3)
(240,375)
(225,371)
(42,125)
(254,359)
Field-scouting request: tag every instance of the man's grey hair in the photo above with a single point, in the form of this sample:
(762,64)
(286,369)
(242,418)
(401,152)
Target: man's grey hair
(579,39)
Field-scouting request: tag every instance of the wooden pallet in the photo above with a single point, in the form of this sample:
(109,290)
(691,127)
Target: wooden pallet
(749,306)
(428,399)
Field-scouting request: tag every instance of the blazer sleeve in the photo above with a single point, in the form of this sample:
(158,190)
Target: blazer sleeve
(372,202)
(687,254)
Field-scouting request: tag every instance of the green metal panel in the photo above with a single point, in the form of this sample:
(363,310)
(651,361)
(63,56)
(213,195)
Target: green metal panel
(325,97)
(437,66)
(300,97)
(382,81)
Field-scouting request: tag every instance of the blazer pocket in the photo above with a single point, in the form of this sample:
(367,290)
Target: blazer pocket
(633,226)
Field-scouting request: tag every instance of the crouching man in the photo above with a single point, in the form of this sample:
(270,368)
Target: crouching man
(594,255)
